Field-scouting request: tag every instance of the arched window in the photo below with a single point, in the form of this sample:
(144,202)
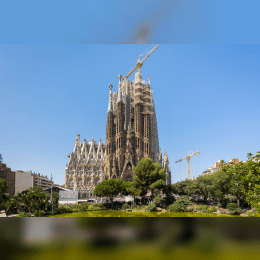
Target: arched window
(91,156)
(96,181)
(76,156)
(84,157)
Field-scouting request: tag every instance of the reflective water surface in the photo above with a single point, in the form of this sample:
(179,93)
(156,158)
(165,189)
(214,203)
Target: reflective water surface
(111,213)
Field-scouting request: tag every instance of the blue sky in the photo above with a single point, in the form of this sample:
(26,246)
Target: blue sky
(58,58)
(206,98)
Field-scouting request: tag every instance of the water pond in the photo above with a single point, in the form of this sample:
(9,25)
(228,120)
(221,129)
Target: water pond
(111,213)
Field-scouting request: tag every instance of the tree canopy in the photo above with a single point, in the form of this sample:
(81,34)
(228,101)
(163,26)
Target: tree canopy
(148,176)
(109,188)
(246,178)
(3,196)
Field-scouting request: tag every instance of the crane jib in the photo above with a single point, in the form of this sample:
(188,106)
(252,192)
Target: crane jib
(140,63)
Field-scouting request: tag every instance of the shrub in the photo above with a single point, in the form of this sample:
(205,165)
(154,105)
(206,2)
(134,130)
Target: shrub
(57,211)
(219,205)
(251,214)
(61,208)
(151,207)
(38,213)
(234,209)
(173,207)
(201,207)
(126,206)
(98,206)
(157,200)
(212,209)
(181,204)
(85,205)
(133,205)
(90,207)
(23,214)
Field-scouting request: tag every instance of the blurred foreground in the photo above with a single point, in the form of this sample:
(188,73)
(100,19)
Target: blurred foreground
(153,238)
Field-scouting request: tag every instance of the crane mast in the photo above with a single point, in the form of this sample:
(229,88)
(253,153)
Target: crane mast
(187,157)
(140,63)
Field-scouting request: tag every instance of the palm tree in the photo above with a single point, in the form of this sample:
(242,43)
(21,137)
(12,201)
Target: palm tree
(249,156)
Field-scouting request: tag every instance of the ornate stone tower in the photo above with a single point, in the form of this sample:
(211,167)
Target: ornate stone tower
(168,170)
(86,167)
(131,132)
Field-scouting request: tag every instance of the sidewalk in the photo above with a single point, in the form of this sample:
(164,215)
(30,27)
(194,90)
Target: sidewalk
(2,214)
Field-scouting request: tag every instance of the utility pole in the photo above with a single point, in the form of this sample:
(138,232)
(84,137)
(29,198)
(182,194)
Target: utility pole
(51,197)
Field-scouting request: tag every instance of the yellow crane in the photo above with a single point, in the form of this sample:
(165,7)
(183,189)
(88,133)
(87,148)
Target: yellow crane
(140,63)
(187,157)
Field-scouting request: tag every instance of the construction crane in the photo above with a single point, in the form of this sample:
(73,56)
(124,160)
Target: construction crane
(187,157)
(140,63)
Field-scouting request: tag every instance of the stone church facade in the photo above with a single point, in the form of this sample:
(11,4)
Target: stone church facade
(131,134)
(86,167)
(131,130)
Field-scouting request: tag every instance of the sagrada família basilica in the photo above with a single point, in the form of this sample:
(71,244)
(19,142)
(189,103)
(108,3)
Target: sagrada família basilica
(131,134)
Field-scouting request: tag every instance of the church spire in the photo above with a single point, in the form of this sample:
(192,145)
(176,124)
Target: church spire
(110,102)
(166,160)
(119,97)
(160,156)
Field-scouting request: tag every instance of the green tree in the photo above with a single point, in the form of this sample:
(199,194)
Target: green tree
(33,200)
(221,185)
(157,200)
(247,178)
(167,190)
(109,188)
(148,176)
(1,159)
(3,196)
(249,156)
(129,189)
(55,198)
(181,204)
(184,187)
(203,186)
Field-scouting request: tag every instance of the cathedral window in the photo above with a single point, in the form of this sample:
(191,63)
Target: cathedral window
(84,157)
(99,156)
(84,150)
(91,156)
(92,150)
(100,150)
(76,156)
